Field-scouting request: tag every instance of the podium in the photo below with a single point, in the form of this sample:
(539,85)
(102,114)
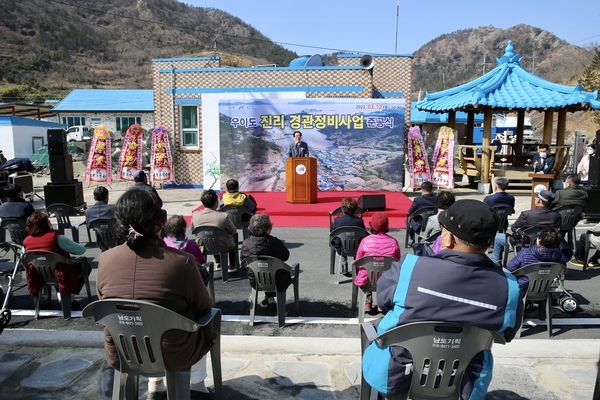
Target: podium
(540,179)
(301,180)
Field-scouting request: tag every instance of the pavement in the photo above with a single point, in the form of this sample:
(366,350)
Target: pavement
(317,354)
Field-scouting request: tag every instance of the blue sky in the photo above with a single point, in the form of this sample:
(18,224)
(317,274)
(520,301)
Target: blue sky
(326,26)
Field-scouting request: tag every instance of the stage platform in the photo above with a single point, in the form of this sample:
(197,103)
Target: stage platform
(317,214)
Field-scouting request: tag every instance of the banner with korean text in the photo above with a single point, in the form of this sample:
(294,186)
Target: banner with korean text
(418,163)
(130,159)
(359,143)
(443,159)
(161,160)
(99,162)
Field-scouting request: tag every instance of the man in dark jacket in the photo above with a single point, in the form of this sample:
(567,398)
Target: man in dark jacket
(543,162)
(572,194)
(459,284)
(426,199)
(261,243)
(15,207)
(540,216)
(100,209)
(141,182)
(500,197)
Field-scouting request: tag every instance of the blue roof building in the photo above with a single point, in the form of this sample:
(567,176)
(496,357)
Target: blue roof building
(116,109)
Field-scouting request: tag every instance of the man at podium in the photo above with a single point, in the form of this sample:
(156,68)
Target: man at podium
(298,148)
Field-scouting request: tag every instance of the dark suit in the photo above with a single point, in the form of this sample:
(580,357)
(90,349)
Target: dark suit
(571,196)
(500,199)
(345,220)
(544,165)
(16,208)
(294,150)
(426,200)
(539,216)
(100,210)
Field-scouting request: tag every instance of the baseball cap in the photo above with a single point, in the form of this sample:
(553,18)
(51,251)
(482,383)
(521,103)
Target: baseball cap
(538,188)
(546,195)
(470,220)
(139,175)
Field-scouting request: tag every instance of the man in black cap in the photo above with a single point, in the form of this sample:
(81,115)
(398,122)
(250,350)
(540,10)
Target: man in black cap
(141,182)
(541,216)
(459,284)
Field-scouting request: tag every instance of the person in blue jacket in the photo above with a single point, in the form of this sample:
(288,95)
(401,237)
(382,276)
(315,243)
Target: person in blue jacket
(459,284)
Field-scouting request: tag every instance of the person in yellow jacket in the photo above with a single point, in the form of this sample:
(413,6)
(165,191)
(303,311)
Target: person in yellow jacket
(234,198)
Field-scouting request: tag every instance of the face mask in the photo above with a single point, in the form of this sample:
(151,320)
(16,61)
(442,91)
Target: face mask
(590,151)
(543,155)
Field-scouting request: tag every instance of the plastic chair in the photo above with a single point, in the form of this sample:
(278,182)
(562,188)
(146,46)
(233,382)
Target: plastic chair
(541,276)
(62,212)
(517,241)
(570,216)
(18,233)
(45,263)
(424,213)
(211,237)
(105,234)
(264,269)
(350,236)
(503,212)
(359,212)
(588,246)
(375,266)
(236,215)
(137,327)
(441,352)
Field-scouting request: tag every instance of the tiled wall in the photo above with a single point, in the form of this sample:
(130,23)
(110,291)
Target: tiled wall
(391,77)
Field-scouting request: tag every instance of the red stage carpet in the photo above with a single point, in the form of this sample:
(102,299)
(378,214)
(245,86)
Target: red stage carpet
(284,214)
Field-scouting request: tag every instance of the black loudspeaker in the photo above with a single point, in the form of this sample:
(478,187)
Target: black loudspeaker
(372,202)
(57,142)
(67,193)
(61,168)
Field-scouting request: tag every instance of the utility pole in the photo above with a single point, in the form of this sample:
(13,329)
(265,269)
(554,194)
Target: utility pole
(483,64)
(533,66)
(397,14)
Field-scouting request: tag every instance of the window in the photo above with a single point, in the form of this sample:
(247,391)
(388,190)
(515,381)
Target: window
(123,123)
(73,121)
(189,126)
(94,122)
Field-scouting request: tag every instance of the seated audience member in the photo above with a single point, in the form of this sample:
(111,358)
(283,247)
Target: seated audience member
(445,199)
(378,243)
(571,195)
(583,168)
(43,237)
(580,249)
(540,216)
(467,288)
(234,198)
(349,206)
(500,197)
(209,216)
(175,237)
(144,268)
(16,206)
(426,199)
(261,243)
(546,248)
(141,182)
(100,209)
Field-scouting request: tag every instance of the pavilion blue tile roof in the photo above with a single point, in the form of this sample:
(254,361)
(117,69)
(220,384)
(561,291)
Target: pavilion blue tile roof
(423,117)
(510,87)
(107,100)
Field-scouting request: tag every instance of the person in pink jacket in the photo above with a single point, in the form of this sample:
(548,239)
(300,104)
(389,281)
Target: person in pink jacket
(379,243)
(175,238)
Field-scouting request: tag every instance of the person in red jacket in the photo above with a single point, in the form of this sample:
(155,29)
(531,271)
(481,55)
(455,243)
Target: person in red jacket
(43,237)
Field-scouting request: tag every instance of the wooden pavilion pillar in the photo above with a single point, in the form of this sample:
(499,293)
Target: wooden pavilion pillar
(561,127)
(518,151)
(548,120)
(486,141)
(470,127)
(452,119)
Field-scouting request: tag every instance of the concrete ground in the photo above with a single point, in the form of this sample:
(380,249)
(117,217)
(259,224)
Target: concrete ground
(316,356)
